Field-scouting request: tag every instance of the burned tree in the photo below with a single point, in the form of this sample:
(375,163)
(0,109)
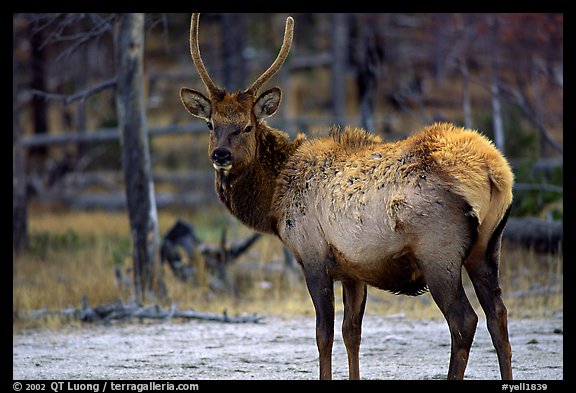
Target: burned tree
(214,259)
(140,198)
(367,57)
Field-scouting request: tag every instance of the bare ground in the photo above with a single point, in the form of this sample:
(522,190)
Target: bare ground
(277,349)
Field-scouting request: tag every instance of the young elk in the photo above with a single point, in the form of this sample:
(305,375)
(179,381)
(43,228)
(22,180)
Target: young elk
(402,216)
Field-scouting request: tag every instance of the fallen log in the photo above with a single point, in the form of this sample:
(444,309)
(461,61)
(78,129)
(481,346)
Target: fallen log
(535,233)
(118,311)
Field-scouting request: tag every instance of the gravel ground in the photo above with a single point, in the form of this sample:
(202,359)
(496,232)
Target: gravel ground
(277,349)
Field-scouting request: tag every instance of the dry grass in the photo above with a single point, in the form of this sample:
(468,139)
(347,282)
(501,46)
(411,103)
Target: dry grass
(73,255)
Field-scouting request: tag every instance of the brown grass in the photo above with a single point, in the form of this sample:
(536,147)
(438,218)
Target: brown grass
(73,255)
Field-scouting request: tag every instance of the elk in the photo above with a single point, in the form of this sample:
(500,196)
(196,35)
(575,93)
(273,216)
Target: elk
(402,216)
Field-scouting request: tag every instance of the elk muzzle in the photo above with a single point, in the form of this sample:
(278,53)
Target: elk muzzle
(221,159)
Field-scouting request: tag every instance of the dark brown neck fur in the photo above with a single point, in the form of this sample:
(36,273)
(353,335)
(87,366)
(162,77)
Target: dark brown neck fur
(249,195)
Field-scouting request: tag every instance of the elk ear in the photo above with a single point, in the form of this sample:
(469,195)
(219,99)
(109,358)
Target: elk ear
(196,103)
(267,104)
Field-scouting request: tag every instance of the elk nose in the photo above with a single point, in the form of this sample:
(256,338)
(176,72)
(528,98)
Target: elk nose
(221,156)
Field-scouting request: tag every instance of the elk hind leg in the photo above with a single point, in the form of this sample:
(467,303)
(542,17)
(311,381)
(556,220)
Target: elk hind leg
(354,294)
(482,268)
(445,284)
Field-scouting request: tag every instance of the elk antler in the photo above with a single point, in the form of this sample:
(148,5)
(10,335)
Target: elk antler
(195,53)
(288,33)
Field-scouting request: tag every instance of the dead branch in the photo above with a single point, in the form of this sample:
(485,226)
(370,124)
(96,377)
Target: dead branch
(116,201)
(118,311)
(104,135)
(215,258)
(514,95)
(81,95)
(538,187)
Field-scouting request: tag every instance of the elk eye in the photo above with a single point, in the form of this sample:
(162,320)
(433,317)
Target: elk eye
(210,126)
(248,128)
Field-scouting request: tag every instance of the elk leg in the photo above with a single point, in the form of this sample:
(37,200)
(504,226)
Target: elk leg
(484,276)
(354,294)
(321,289)
(445,284)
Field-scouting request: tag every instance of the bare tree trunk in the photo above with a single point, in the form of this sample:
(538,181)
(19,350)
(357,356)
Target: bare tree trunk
(535,72)
(19,199)
(140,195)
(495,88)
(339,50)
(497,112)
(466,100)
(367,56)
(80,123)
(233,41)
(39,104)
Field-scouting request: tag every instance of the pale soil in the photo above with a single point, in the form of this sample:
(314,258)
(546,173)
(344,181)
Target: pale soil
(278,349)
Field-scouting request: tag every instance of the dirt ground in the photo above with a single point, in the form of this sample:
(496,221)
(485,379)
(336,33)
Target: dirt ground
(277,349)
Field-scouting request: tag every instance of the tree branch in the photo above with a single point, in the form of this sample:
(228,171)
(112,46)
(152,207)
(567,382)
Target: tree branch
(81,95)
(538,187)
(526,108)
(531,115)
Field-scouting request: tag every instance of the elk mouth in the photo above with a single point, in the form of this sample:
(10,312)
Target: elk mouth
(222,167)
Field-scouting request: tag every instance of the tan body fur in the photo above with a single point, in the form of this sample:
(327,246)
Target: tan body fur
(370,202)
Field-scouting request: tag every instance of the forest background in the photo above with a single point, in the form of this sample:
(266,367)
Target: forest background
(73,239)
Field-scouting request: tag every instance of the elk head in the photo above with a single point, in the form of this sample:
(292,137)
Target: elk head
(233,118)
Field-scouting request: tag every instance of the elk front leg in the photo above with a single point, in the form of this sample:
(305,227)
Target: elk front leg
(354,294)
(321,289)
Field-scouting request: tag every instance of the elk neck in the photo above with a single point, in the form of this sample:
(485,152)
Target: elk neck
(249,195)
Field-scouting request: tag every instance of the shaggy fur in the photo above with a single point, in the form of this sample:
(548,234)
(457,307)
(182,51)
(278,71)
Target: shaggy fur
(359,192)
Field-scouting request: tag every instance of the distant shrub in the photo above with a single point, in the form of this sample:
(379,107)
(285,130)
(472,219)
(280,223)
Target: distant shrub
(522,149)
(43,242)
